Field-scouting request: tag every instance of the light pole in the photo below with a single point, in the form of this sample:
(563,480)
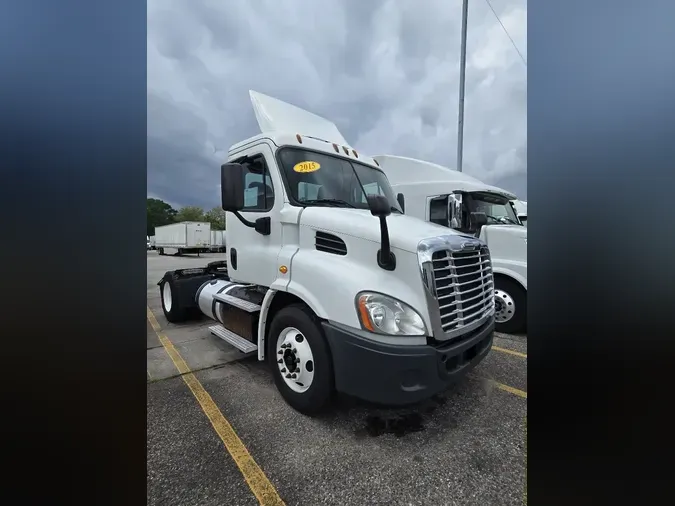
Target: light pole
(462,72)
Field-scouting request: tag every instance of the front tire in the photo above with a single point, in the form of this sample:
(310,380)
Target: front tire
(301,364)
(510,306)
(173,311)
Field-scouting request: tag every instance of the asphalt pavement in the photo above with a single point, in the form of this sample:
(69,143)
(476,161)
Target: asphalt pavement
(219,432)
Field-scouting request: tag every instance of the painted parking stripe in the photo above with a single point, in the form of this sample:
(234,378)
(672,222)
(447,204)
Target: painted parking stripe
(260,485)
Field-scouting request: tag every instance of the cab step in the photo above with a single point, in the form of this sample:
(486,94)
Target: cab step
(235,340)
(249,307)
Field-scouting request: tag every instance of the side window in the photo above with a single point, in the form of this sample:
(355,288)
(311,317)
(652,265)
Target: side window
(438,211)
(258,188)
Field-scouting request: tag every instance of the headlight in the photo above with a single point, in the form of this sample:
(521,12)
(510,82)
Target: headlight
(386,315)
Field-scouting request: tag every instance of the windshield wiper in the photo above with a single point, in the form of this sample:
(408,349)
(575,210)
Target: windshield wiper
(499,219)
(333,202)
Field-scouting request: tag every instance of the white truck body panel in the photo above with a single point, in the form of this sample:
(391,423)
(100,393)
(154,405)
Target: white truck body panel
(421,181)
(184,235)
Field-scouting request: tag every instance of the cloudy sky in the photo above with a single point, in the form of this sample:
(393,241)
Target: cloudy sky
(385,71)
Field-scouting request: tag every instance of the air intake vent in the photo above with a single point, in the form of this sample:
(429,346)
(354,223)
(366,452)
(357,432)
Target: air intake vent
(329,243)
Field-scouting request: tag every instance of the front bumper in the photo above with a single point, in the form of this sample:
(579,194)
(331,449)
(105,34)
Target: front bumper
(397,375)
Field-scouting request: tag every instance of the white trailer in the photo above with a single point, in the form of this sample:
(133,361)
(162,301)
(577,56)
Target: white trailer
(217,241)
(450,198)
(152,242)
(327,280)
(183,237)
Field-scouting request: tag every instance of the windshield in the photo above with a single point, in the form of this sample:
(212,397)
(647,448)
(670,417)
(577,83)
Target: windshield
(497,209)
(323,180)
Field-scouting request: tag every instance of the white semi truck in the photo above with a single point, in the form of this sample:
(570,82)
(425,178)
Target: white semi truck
(183,237)
(327,280)
(448,197)
(521,208)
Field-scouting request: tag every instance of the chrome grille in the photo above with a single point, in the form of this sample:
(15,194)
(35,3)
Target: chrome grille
(464,286)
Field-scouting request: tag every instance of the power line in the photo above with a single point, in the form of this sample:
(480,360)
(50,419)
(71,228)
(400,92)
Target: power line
(506,32)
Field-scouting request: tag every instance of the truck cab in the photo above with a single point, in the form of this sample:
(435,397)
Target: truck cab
(328,280)
(448,198)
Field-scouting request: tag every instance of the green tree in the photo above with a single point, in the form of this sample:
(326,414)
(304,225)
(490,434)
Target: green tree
(190,213)
(216,217)
(159,213)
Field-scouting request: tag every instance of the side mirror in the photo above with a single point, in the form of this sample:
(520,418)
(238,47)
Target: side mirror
(479,219)
(378,205)
(232,186)
(401,201)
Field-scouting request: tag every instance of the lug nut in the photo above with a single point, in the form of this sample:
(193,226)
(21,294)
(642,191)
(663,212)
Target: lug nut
(283,370)
(288,375)
(280,361)
(280,352)
(294,350)
(294,375)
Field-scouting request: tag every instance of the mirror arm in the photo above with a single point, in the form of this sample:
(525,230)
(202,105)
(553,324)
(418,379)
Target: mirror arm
(249,224)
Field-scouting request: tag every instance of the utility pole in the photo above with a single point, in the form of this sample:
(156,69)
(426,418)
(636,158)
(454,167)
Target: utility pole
(462,72)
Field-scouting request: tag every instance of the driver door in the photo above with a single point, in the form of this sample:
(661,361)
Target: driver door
(252,257)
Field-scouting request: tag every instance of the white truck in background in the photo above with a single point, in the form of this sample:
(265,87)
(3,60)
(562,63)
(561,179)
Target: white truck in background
(327,280)
(152,242)
(521,209)
(184,237)
(217,241)
(448,198)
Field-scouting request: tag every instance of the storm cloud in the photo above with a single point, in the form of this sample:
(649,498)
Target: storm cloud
(386,72)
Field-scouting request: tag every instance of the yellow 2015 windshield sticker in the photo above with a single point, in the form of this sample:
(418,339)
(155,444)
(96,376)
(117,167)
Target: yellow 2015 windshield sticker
(306,167)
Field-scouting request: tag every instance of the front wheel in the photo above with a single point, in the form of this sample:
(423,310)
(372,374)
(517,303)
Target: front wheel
(298,354)
(510,306)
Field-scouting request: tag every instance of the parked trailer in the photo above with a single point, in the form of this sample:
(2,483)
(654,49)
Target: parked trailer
(183,237)
(217,241)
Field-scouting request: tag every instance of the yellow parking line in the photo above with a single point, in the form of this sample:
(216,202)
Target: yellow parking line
(260,485)
(510,352)
(511,390)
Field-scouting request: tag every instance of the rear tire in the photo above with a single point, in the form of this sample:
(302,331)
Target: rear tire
(173,311)
(298,324)
(510,306)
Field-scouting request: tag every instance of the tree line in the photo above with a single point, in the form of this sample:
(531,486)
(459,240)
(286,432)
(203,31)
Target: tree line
(160,213)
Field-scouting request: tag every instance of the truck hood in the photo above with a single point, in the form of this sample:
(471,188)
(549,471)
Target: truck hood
(405,233)
(515,230)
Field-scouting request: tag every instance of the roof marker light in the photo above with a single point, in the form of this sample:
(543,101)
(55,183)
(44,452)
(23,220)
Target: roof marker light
(345,150)
(297,136)
(335,147)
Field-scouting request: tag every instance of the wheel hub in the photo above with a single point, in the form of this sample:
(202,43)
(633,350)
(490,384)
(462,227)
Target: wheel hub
(505,306)
(295,359)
